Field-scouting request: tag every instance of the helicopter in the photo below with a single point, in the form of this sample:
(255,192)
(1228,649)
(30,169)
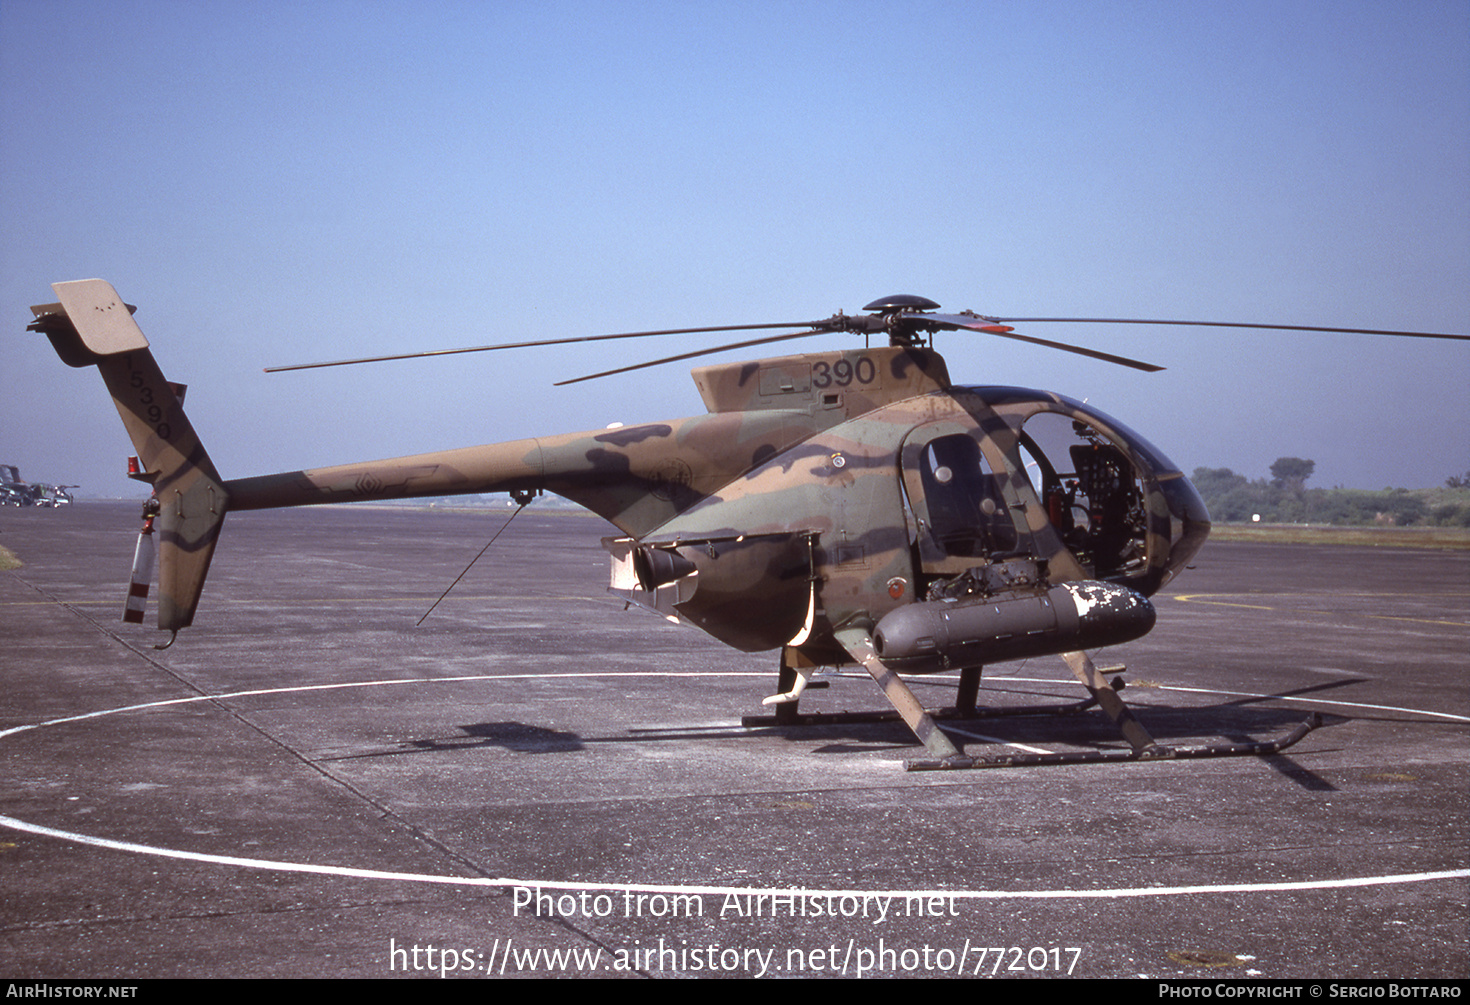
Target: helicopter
(16,491)
(848,506)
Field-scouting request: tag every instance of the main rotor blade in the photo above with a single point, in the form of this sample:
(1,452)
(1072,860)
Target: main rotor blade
(1229,324)
(541,342)
(693,355)
(990,327)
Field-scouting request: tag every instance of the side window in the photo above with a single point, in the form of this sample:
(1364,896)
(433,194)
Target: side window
(967,513)
(1090,490)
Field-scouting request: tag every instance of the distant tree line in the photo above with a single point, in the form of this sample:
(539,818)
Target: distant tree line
(1285,498)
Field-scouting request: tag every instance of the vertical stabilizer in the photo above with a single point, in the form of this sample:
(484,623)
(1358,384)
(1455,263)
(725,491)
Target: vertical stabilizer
(91,326)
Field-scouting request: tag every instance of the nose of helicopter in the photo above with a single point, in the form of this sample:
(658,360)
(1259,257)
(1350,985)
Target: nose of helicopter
(1189,524)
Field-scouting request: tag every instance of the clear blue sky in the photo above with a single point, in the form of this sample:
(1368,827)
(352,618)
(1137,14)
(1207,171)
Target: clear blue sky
(279,182)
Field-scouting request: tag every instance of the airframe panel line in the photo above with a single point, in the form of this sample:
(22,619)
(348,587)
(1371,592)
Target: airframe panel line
(349,872)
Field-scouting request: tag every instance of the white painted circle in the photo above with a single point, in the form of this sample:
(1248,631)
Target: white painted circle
(503,881)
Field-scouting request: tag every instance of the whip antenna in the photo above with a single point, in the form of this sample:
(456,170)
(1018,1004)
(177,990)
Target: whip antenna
(523,497)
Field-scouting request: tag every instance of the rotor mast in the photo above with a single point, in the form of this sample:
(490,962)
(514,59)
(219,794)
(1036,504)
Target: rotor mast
(895,315)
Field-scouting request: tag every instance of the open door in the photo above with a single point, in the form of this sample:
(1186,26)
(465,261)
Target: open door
(964,516)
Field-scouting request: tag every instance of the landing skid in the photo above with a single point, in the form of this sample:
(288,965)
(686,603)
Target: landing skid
(955,713)
(963,710)
(944,756)
(1156,752)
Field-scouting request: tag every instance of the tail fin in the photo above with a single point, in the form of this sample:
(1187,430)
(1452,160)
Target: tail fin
(91,326)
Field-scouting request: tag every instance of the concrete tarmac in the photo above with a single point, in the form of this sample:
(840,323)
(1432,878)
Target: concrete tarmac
(307,785)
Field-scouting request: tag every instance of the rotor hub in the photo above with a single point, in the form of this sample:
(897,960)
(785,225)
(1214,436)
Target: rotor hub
(895,314)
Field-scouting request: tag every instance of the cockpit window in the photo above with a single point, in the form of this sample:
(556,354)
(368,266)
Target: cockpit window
(1091,492)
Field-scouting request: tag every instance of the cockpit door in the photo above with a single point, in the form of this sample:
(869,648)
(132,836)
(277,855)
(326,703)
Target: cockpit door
(963,515)
(1095,495)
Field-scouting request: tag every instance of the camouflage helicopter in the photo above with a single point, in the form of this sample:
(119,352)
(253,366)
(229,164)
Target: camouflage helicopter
(847,506)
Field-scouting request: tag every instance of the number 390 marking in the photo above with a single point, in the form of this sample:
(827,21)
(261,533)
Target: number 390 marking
(844,372)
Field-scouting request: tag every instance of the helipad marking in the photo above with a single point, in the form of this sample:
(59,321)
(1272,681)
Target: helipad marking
(948,728)
(1251,694)
(501,881)
(1314,701)
(1203,598)
(372,683)
(481,881)
(1195,598)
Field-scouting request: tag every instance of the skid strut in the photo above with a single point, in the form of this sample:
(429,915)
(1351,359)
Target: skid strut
(944,756)
(964,708)
(787,715)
